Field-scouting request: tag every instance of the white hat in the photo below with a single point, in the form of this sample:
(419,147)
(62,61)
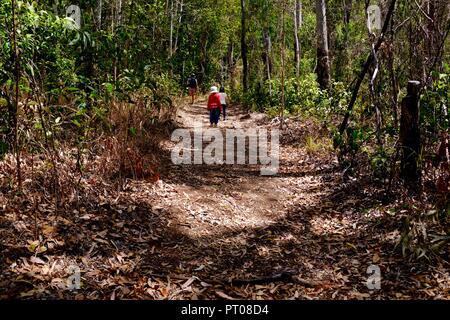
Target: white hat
(214,89)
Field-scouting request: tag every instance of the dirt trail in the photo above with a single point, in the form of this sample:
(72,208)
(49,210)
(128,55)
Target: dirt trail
(234,225)
(222,231)
(223,198)
(306,222)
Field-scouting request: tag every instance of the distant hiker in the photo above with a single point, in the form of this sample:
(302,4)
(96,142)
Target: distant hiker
(192,85)
(223,102)
(214,107)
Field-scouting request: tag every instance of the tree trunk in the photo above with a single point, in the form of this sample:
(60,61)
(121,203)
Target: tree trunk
(231,64)
(394,84)
(297,24)
(171,30)
(373,74)
(323,60)
(16,98)
(230,57)
(244,47)
(348,4)
(267,57)
(283,44)
(410,136)
(180,18)
(99,14)
(119,13)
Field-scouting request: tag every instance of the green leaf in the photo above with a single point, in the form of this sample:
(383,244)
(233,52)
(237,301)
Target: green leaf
(109,87)
(38,125)
(76,122)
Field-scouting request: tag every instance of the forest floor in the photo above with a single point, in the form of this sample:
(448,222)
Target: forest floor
(221,232)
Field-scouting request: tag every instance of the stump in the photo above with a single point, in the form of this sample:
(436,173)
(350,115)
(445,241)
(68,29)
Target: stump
(410,137)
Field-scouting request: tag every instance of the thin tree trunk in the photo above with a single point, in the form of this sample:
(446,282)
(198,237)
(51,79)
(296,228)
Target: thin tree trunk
(231,64)
(244,47)
(230,57)
(374,96)
(99,14)
(16,100)
(119,13)
(175,46)
(297,24)
(323,60)
(171,30)
(394,85)
(348,4)
(267,60)
(113,16)
(283,44)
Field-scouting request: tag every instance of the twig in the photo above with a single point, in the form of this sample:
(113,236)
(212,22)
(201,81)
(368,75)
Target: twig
(423,12)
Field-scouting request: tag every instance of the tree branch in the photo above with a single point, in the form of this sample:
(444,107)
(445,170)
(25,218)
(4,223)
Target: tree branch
(366,67)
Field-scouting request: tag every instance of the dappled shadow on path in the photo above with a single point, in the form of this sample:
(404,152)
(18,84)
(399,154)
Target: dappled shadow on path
(318,242)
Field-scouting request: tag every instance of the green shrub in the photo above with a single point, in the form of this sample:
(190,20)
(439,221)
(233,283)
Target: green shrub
(434,101)
(302,95)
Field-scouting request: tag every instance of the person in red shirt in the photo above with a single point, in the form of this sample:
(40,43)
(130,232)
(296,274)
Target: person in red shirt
(214,107)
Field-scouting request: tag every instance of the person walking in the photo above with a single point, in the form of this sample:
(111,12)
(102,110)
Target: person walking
(223,102)
(214,107)
(193,86)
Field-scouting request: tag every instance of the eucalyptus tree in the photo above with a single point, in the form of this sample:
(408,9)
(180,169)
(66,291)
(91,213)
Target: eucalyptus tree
(323,59)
